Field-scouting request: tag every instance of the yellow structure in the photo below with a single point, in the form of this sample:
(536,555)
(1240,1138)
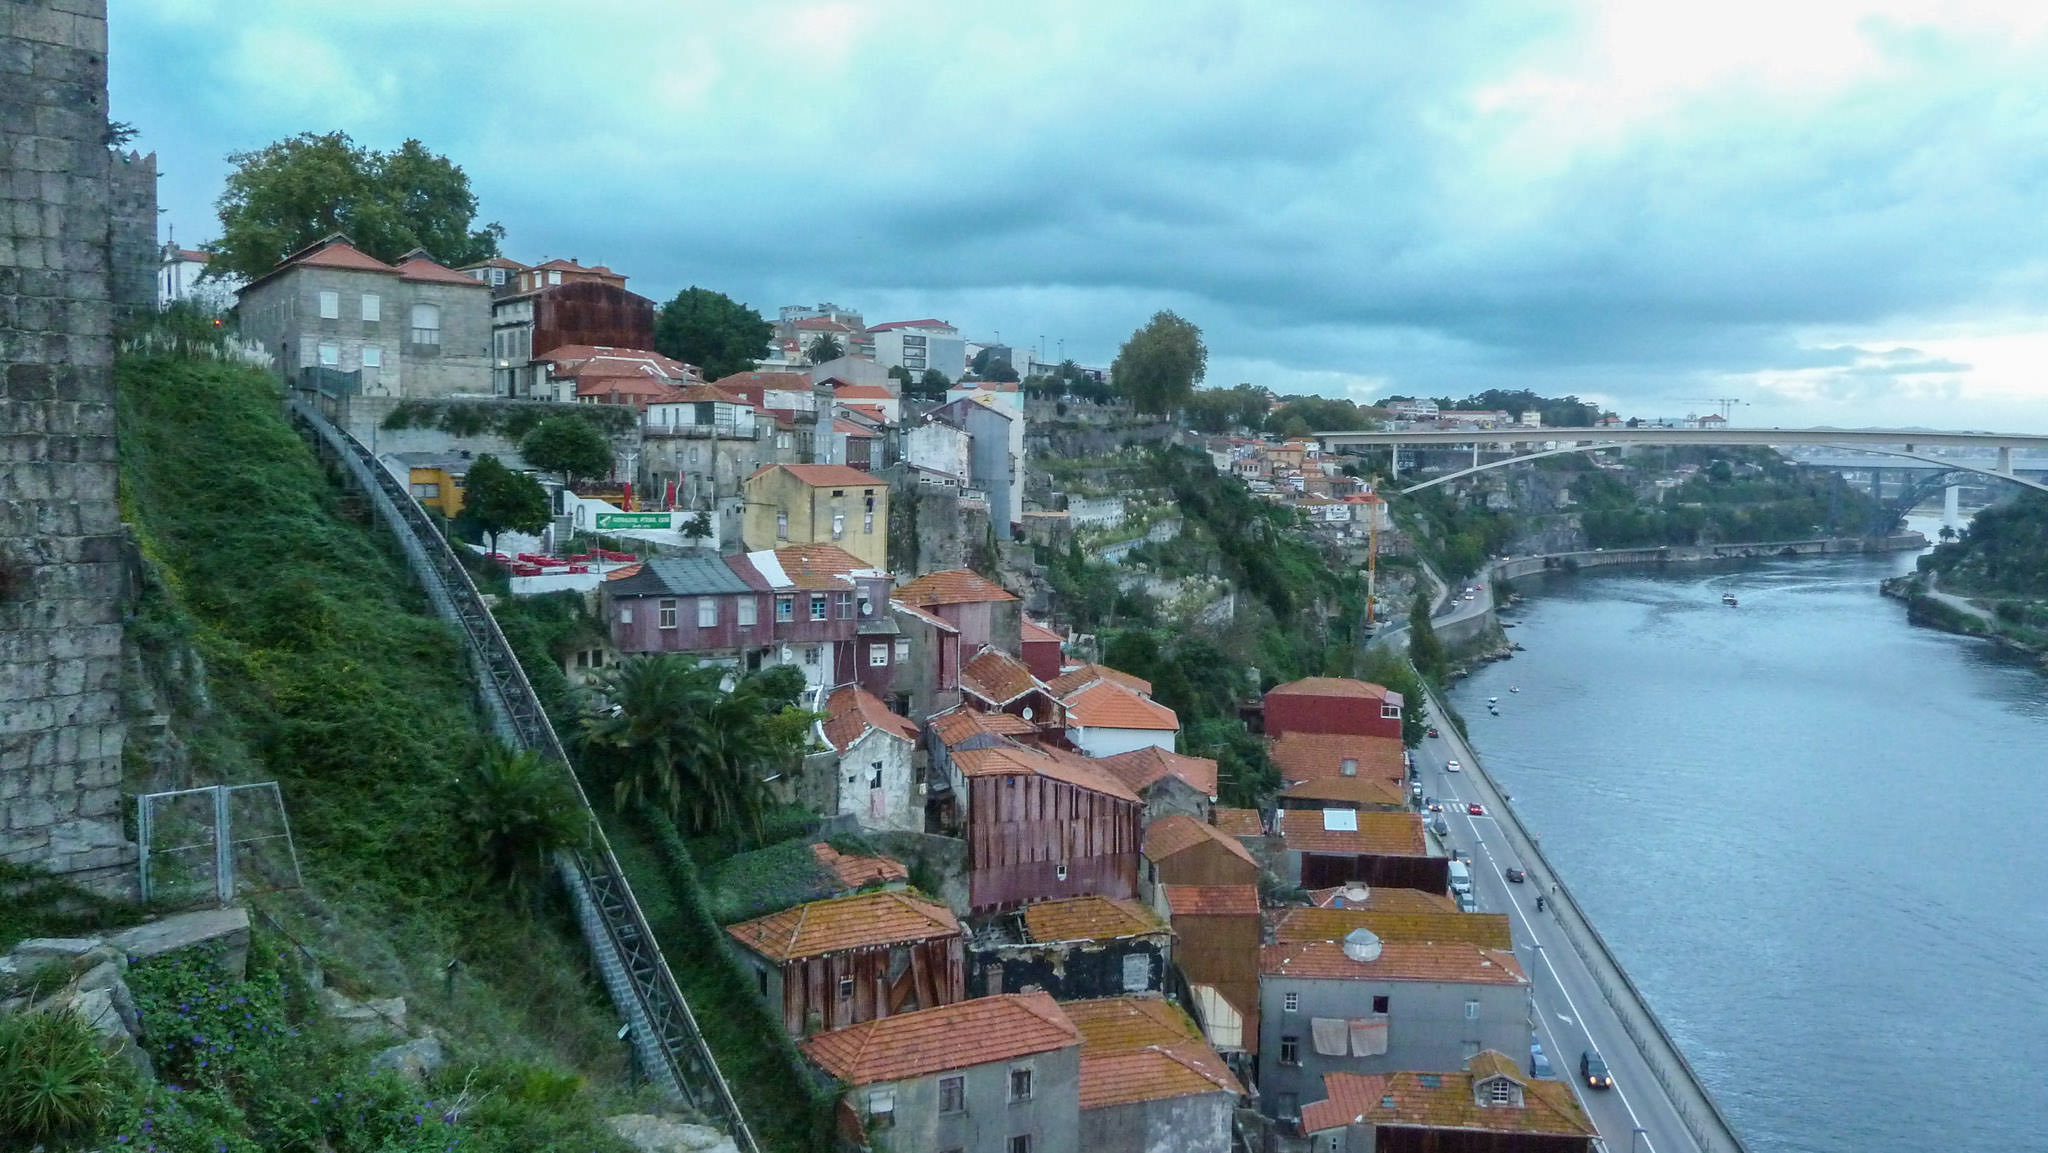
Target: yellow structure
(818,504)
(436,479)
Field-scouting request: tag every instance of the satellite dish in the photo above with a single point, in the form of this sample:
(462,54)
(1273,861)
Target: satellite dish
(1027,712)
(867,607)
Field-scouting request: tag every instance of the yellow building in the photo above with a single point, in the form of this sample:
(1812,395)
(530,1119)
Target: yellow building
(436,479)
(818,504)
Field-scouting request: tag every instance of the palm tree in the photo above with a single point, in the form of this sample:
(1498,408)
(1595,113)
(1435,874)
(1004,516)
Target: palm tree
(517,810)
(826,347)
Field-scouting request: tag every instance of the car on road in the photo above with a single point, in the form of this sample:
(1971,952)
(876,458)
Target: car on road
(1594,1070)
(1433,805)
(1433,732)
(1516,875)
(1539,1062)
(1452,765)
(1475,809)
(1437,826)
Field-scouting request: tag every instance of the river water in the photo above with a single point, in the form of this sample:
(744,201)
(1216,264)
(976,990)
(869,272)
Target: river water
(1813,834)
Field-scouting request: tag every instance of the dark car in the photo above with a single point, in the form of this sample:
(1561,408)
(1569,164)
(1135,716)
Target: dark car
(1516,875)
(1433,732)
(1594,1070)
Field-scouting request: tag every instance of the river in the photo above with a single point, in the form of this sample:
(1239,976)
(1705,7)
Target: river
(1811,832)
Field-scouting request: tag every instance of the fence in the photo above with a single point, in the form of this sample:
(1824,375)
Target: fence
(664,1032)
(214,843)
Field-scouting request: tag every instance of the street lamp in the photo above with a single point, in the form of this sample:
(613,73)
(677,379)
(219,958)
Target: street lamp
(1632,1139)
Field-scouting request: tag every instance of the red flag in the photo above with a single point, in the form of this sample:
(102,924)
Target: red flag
(629,496)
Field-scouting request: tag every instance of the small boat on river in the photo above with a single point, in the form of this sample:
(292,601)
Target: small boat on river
(1728,599)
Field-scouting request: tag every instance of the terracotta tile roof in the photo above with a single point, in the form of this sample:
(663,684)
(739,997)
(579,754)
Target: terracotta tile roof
(1143,1049)
(871,411)
(1169,835)
(1486,930)
(799,561)
(853,872)
(421,269)
(862,921)
(821,324)
(955,1036)
(916,613)
(1333,687)
(964,724)
(952,587)
(1082,676)
(1108,1024)
(1317,756)
(750,382)
(1212,900)
(1090,919)
(1382,899)
(997,677)
(1349,790)
(848,428)
(1143,768)
(1378,834)
(1548,1107)
(700,393)
(862,392)
(1240,822)
(927,322)
(1003,760)
(1108,705)
(823,475)
(852,711)
(1033,631)
(1449,962)
(337,252)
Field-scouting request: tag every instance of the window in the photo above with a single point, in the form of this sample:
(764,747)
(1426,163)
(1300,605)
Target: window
(838,524)
(625,615)
(845,987)
(748,610)
(874,774)
(426,324)
(426,491)
(1288,1105)
(867,524)
(1020,1085)
(1290,1050)
(1471,1010)
(878,656)
(707,612)
(497,277)
(373,308)
(761,978)
(952,1094)
(330,305)
(882,1107)
(902,651)
(1390,712)
(554,276)
(1059,872)
(781,526)
(1379,1004)
(817,606)
(842,604)
(373,357)
(1501,1091)
(1348,767)
(1021,1143)
(811,655)
(1137,972)
(668,614)
(785,609)
(330,355)
(1290,1002)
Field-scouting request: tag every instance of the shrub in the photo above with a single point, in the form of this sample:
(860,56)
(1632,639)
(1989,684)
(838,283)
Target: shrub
(55,1080)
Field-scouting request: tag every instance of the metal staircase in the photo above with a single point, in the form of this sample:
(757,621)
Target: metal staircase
(663,1032)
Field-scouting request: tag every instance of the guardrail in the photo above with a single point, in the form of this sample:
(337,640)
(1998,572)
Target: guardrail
(664,1032)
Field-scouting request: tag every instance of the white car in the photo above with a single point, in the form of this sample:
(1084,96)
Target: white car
(1452,766)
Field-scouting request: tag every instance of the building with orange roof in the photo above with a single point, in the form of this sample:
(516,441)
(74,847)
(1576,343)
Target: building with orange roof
(1042,649)
(608,374)
(985,613)
(1239,822)
(853,871)
(1042,826)
(1333,705)
(818,504)
(338,319)
(1073,948)
(990,1075)
(1487,930)
(1360,1004)
(1108,718)
(1301,757)
(1180,850)
(1335,846)
(867,770)
(994,423)
(1382,900)
(995,681)
(1217,931)
(1167,781)
(1489,1104)
(837,962)
(1073,680)
(881,399)
(1149,1080)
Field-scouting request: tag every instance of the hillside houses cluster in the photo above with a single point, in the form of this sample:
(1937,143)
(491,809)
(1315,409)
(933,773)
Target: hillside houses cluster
(1296,473)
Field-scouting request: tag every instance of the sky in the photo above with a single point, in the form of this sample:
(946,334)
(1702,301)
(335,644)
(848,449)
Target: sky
(1831,210)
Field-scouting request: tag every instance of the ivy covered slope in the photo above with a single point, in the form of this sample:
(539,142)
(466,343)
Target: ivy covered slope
(323,670)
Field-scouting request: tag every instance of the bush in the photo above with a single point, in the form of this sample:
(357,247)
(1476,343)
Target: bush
(55,1080)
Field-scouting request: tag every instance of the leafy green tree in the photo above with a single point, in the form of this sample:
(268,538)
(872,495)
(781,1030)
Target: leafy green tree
(1001,371)
(516,810)
(905,383)
(1425,649)
(500,500)
(712,331)
(290,193)
(1383,668)
(933,383)
(1159,366)
(1224,409)
(826,347)
(568,445)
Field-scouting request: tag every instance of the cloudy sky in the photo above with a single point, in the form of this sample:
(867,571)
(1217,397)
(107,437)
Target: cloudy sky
(1832,210)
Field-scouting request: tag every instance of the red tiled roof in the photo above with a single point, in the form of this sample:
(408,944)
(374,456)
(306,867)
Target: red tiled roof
(1449,962)
(341,254)
(871,411)
(1109,705)
(1081,676)
(1332,687)
(819,560)
(1318,756)
(823,475)
(1000,760)
(1382,899)
(853,871)
(1169,835)
(1378,834)
(862,921)
(420,268)
(852,711)
(1548,1107)
(821,324)
(699,393)
(1240,822)
(848,428)
(1090,919)
(927,322)
(961,724)
(193,256)
(1342,791)
(954,1036)
(1212,900)
(1033,631)
(911,610)
(1143,1049)
(997,677)
(1143,768)
(956,586)
(862,392)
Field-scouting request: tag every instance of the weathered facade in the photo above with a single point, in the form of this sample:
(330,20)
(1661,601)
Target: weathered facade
(873,774)
(592,311)
(1041,827)
(1149,1083)
(1180,850)
(829,964)
(1217,931)
(818,504)
(1332,705)
(1338,846)
(1490,1107)
(1075,949)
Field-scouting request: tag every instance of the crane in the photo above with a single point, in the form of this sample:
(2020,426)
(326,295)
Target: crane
(1724,403)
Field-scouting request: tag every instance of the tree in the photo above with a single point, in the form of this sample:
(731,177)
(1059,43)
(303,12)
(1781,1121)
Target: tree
(1425,650)
(569,445)
(905,383)
(933,383)
(288,194)
(712,331)
(517,808)
(1160,364)
(1001,371)
(826,347)
(500,500)
(1222,409)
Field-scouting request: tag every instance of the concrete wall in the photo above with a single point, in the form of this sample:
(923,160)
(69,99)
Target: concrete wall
(1194,1124)
(1052,1117)
(895,805)
(61,575)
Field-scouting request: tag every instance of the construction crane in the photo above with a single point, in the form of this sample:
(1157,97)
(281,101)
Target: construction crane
(1724,403)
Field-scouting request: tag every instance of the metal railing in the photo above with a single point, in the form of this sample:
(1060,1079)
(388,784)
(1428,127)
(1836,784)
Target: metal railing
(663,1030)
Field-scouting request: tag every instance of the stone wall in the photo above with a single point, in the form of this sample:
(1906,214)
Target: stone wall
(61,576)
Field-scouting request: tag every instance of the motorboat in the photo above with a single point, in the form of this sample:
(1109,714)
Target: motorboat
(1513,689)
(1491,701)
(1728,599)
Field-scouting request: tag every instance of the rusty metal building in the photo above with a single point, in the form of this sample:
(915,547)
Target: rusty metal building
(1043,824)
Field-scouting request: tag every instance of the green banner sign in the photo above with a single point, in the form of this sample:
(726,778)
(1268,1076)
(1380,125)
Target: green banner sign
(607,520)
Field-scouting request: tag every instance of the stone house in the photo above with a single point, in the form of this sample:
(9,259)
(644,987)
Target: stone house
(828,964)
(1149,1081)
(411,329)
(1167,781)
(1488,1104)
(1074,948)
(1362,1005)
(872,771)
(818,504)
(991,1075)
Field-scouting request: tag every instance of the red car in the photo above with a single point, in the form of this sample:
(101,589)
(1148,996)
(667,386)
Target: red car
(1476,809)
